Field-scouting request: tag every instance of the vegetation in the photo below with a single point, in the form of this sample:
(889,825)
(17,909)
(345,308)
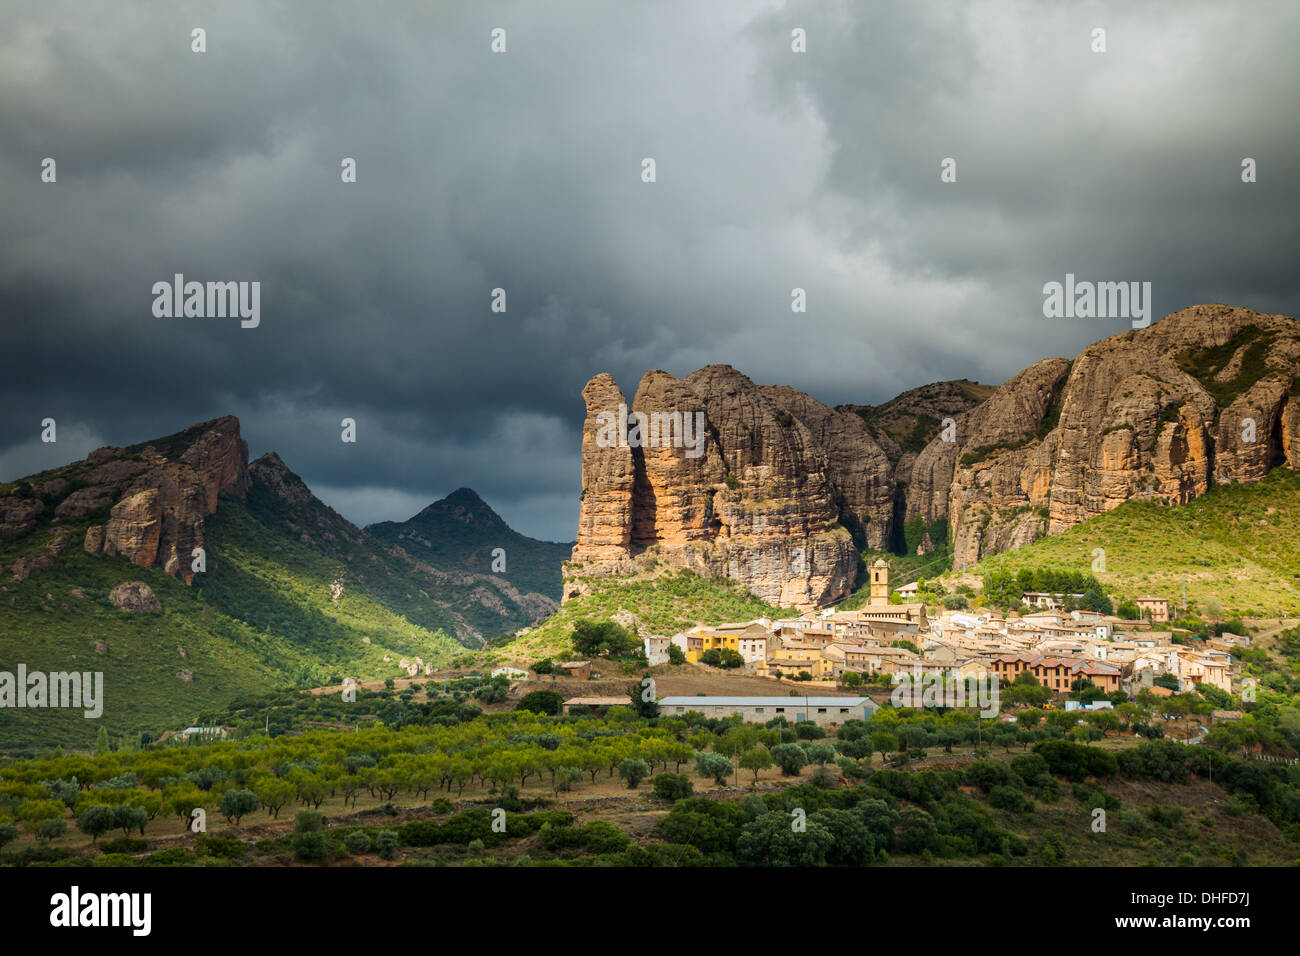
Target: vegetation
(1236,546)
(663,604)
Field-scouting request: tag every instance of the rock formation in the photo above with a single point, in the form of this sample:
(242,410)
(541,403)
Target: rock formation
(156,497)
(713,474)
(1209,395)
(134,597)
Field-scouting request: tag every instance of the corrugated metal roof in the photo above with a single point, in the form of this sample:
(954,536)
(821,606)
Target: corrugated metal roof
(766,701)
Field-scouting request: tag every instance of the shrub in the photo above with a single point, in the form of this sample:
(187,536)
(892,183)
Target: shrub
(542,702)
(358,842)
(1075,761)
(225,847)
(308,821)
(386,844)
(916,831)
(1010,798)
(310,845)
(173,856)
(673,786)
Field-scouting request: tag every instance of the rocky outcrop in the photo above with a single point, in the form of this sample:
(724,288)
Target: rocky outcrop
(18,515)
(135,528)
(858,469)
(157,495)
(605,514)
(1001,472)
(1205,396)
(711,474)
(134,597)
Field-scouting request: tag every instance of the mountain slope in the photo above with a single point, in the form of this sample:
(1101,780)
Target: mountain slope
(461,531)
(1237,546)
(470,605)
(292,593)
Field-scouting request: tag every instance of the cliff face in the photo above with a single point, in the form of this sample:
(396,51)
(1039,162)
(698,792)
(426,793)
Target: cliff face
(156,495)
(1209,395)
(711,474)
(1206,396)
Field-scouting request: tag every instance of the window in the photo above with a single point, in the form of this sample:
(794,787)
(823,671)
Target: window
(758,710)
(844,710)
(821,710)
(780,710)
(680,709)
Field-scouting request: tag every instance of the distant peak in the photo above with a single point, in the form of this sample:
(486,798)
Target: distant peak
(467,497)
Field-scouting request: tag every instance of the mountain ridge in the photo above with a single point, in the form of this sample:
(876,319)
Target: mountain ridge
(1204,397)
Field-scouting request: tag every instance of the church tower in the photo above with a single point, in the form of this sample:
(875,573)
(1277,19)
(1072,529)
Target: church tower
(879,583)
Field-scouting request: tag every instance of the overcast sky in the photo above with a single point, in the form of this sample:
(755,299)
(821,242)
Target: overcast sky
(522,170)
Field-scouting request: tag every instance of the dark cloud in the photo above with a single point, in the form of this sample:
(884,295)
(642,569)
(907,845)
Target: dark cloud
(522,170)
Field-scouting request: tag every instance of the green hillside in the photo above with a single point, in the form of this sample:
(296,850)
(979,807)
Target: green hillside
(661,604)
(1237,546)
(470,604)
(461,531)
(260,617)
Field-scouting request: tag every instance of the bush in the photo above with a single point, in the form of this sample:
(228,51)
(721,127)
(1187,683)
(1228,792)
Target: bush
(916,831)
(1135,822)
(987,774)
(308,821)
(310,846)
(807,730)
(52,828)
(542,702)
(673,786)
(173,856)
(1009,798)
(386,844)
(1075,761)
(224,847)
(124,845)
(8,833)
(358,842)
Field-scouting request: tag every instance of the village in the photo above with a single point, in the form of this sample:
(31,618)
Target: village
(886,642)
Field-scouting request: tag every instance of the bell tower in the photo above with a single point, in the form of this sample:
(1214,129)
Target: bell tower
(879,583)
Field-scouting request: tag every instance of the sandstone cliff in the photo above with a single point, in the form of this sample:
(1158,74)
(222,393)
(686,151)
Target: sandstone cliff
(1209,395)
(156,495)
(721,478)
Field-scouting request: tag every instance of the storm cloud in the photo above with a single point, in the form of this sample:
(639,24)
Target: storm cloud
(522,170)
